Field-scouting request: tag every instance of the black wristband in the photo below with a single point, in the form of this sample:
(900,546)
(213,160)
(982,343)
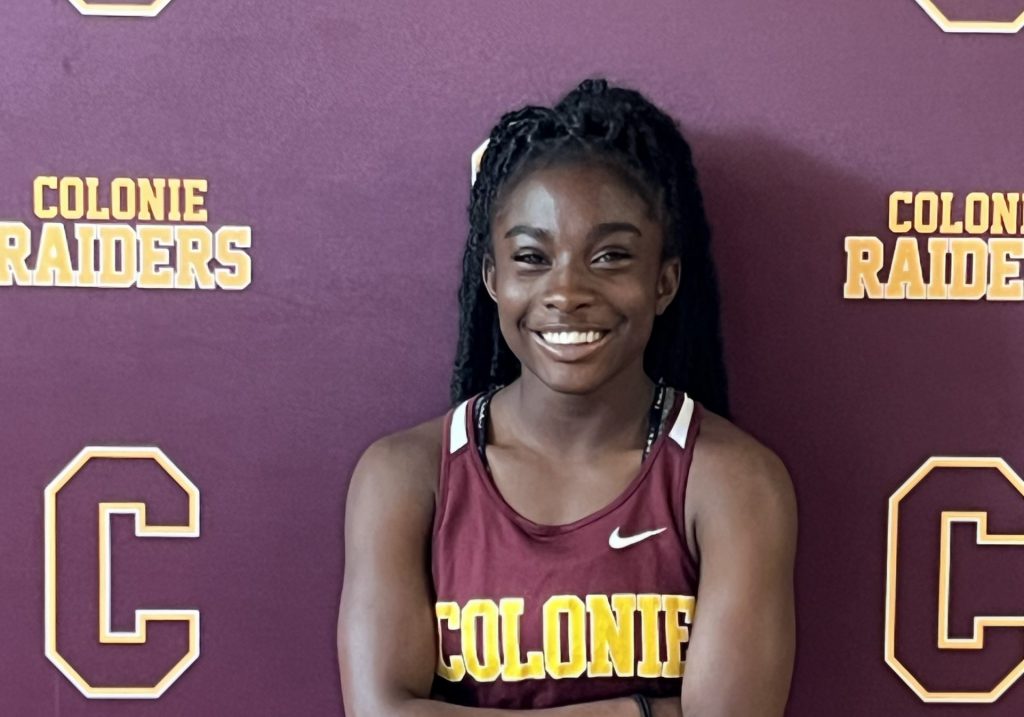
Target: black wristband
(644,705)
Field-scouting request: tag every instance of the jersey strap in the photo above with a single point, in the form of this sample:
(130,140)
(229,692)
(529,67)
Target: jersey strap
(681,427)
(457,437)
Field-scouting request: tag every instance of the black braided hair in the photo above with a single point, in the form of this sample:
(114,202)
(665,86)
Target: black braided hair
(622,130)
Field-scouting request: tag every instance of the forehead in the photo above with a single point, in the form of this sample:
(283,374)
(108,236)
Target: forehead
(583,193)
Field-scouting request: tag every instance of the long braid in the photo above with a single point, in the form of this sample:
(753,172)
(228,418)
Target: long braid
(621,128)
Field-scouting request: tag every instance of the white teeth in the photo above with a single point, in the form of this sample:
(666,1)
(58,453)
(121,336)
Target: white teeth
(572,337)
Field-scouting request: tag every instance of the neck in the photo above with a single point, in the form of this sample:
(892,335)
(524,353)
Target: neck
(613,416)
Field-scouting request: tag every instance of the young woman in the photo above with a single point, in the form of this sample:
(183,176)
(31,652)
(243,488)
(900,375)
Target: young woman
(584,525)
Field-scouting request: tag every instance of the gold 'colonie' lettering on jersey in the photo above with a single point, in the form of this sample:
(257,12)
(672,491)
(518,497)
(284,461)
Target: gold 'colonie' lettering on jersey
(601,635)
(532,616)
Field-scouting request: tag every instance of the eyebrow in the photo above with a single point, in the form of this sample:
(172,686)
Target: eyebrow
(598,232)
(535,232)
(604,229)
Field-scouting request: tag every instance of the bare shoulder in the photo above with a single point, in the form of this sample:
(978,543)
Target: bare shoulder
(400,467)
(732,455)
(736,478)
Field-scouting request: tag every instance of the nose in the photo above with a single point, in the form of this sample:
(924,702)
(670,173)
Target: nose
(567,288)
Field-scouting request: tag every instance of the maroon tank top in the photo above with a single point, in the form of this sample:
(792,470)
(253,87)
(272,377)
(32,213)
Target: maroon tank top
(531,616)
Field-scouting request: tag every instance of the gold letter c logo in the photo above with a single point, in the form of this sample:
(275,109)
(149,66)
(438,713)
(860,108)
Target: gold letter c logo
(143,528)
(145,8)
(915,645)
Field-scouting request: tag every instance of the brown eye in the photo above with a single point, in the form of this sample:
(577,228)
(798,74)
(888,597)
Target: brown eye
(528,257)
(611,256)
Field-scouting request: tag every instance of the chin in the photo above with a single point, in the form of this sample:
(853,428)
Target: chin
(571,379)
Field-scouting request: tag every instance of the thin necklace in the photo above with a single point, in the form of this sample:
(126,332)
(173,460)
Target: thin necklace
(654,420)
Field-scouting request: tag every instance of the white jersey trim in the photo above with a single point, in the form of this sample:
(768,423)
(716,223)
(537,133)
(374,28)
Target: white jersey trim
(682,425)
(457,437)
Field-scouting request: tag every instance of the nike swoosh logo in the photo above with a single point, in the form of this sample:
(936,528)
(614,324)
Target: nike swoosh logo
(618,542)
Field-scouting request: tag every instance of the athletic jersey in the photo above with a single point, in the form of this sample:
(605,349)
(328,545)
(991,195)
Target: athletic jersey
(531,616)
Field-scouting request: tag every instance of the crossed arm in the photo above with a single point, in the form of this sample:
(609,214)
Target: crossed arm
(741,649)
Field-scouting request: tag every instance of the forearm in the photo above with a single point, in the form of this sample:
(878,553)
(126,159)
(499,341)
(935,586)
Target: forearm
(606,708)
(620,707)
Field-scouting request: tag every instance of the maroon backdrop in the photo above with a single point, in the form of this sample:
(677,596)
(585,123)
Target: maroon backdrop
(340,132)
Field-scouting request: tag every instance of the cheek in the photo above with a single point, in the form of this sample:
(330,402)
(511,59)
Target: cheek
(640,304)
(513,302)
(641,297)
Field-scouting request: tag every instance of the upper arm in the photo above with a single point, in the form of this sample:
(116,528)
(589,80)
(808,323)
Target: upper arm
(386,639)
(740,657)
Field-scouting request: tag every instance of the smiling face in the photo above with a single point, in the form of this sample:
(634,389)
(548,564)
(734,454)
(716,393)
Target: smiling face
(578,275)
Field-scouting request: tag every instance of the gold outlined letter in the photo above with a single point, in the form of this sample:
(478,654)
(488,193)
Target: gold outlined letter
(144,8)
(977,640)
(142,529)
(978,25)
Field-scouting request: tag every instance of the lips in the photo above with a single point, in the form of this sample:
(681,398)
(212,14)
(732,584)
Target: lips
(569,344)
(566,338)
